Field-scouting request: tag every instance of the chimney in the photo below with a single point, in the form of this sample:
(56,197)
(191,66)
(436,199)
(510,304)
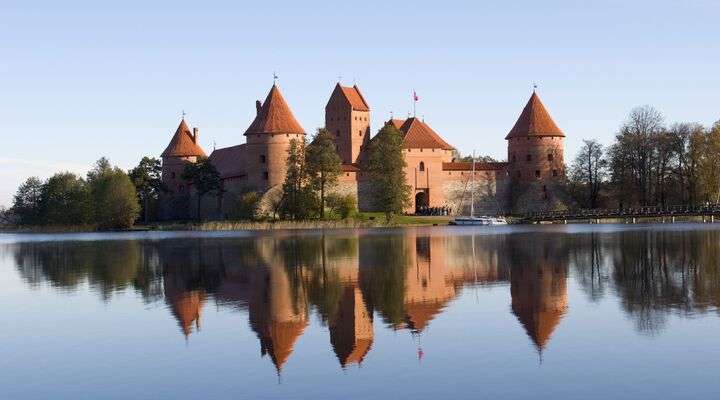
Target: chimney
(196,132)
(258,104)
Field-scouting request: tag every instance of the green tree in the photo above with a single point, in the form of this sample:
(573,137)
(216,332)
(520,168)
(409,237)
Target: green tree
(298,197)
(65,200)
(114,199)
(26,203)
(246,206)
(147,178)
(710,165)
(386,167)
(204,177)
(323,164)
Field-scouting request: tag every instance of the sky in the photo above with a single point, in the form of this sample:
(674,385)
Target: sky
(85,79)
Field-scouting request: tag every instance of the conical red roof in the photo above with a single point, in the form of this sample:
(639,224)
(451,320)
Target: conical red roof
(417,134)
(275,116)
(183,144)
(534,121)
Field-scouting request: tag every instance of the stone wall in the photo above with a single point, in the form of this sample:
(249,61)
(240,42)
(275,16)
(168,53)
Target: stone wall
(490,190)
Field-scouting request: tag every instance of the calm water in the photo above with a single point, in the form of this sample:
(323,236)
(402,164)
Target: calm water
(562,312)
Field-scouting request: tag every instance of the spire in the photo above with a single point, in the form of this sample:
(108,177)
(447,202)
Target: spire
(534,120)
(274,116)
(183,143)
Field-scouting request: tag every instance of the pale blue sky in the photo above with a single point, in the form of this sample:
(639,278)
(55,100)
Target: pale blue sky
(83,79)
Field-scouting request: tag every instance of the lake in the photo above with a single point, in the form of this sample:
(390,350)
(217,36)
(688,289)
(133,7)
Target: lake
(561,312)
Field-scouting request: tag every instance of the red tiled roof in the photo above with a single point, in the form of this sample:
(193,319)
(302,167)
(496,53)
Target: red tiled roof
(351,95)
(467,166)
(397,123)
(229,161)
(417,134)
(274,116)
(534,121)
(183,144)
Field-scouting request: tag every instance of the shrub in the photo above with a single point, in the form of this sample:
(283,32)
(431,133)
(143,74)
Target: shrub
(246,206)
(343,205)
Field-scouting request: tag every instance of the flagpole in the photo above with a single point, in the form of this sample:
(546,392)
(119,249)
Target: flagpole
(414,99)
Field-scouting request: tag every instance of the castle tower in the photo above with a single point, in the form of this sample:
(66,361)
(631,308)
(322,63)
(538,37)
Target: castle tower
(268,141)
(347,116)
(183,149)
(535,146)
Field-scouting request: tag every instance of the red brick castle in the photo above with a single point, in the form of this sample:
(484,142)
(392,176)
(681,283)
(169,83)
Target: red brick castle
(531,179)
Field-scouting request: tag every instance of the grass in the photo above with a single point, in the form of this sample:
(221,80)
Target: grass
(362,220)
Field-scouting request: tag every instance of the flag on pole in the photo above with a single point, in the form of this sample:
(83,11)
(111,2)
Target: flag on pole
(415,96)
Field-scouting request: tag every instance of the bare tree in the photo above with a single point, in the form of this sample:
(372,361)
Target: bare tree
(589,170)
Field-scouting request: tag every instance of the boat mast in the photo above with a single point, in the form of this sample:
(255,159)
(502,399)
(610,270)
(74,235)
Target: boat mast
(472,188)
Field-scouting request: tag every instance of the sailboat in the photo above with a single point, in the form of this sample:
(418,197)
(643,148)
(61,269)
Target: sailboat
(472,219)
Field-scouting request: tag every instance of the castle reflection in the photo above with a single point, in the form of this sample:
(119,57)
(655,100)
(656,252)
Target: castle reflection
(361,281)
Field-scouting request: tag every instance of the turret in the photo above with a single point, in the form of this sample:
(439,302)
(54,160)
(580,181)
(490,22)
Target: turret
(268,141)
(182,149)
(535,145)
(347,117)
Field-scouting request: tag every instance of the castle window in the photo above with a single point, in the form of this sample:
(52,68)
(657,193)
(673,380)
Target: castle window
(422,166)
(514,158)
(347,174)
(262,159)
(287,135)
(550,157)
(360,132)
(172,175)
(528,157)
(537,173)
(265,175)
(555,172)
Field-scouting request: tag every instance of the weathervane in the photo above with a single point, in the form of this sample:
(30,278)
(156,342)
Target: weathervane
(275,78)
(183,114)
(339,78)
(534,86)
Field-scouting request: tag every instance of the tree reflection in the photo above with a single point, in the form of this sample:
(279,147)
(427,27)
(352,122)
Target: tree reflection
(406,278)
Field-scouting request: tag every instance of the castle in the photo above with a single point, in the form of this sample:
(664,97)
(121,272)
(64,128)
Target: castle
(531,179)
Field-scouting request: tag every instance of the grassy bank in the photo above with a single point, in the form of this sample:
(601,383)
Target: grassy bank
(363,220)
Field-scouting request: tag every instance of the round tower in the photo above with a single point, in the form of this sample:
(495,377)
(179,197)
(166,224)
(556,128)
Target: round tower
(183,149)
(535,146)
(268,141)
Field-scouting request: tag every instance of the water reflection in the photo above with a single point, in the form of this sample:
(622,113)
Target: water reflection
(358,282)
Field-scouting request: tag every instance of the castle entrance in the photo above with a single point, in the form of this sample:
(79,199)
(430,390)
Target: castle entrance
(421,201)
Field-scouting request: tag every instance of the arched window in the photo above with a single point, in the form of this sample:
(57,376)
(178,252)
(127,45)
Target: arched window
(422,166)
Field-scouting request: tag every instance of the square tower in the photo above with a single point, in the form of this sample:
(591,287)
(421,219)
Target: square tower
(347,117)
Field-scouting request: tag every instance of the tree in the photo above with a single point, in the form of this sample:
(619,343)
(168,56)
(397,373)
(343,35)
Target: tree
(710,164)
(344,205)
(27,202)
(386,167)
(204,178)
(246,206)
(147,178)
(589,170)
(65,200)
(688,142)
(323,164)
(114,199)
(298,196)
(633,157)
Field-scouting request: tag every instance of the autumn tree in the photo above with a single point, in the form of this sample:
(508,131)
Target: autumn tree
(386,167)
(322,164)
